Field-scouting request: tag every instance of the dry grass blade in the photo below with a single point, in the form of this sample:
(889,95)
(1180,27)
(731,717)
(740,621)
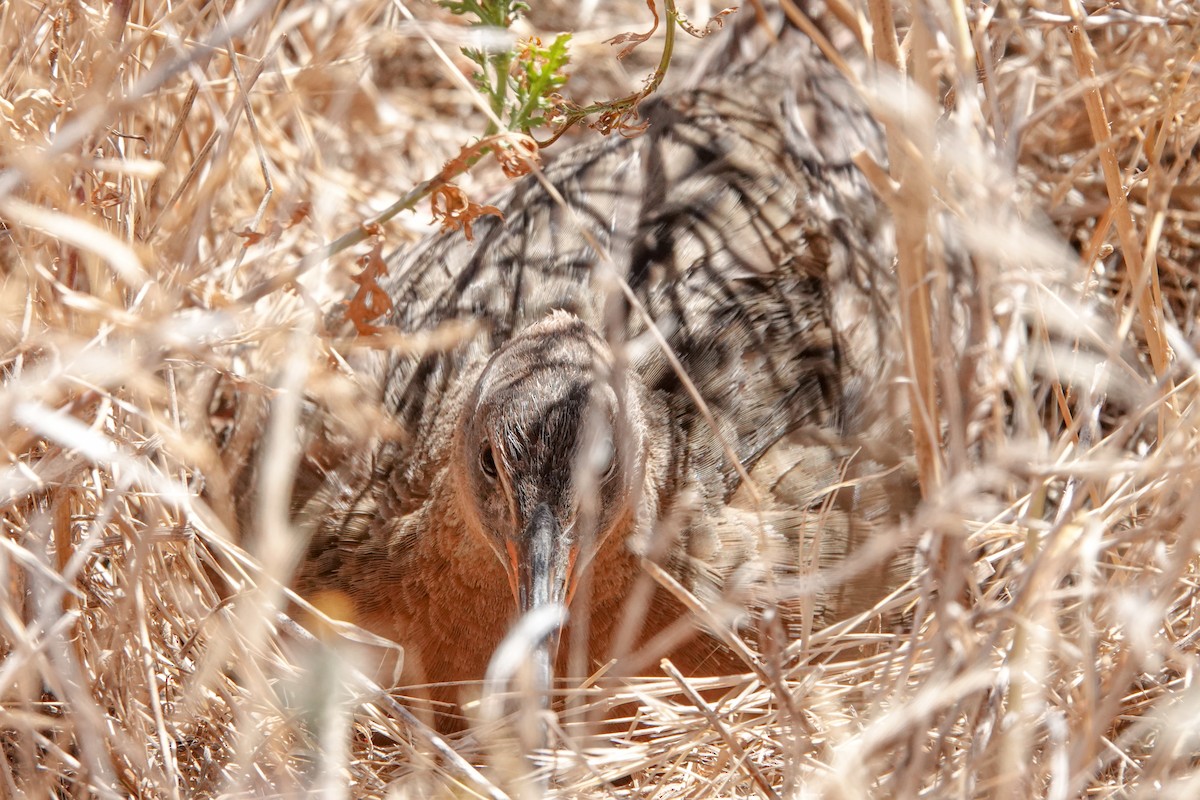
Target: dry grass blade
(726,735)
(1144,276)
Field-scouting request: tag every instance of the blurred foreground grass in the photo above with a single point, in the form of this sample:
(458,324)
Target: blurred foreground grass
(160,160)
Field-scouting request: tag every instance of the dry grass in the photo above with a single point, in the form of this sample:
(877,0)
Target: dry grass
(160,160)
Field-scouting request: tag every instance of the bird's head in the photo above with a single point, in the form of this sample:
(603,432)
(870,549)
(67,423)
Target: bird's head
(550,445)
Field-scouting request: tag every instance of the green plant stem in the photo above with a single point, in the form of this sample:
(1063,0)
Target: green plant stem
(502,64)
(624,104)
(498,92)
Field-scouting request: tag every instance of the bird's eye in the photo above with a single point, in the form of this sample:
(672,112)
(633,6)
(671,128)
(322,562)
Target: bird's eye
(606,459)
(487,463)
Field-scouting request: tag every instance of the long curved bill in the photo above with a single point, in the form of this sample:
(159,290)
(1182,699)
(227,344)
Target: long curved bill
(544,563)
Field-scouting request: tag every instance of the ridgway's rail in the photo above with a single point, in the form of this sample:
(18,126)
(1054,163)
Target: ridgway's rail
(559,445)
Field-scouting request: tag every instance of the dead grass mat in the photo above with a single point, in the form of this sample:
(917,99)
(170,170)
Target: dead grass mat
(161,160)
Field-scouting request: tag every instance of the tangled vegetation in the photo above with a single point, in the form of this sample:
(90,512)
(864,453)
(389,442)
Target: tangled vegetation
(187,187)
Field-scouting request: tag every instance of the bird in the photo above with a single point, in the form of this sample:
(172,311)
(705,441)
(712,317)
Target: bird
(683,355)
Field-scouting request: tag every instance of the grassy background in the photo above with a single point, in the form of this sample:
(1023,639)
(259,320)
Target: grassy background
(159,161)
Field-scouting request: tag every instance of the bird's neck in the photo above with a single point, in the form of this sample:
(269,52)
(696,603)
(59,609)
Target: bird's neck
(463,578)
(460,604)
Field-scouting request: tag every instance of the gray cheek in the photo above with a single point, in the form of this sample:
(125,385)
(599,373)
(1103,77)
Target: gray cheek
(488,503)
(611,504)
(494,506)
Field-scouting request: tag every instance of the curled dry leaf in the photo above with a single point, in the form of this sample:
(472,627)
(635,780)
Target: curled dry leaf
(106,197)
(622,120)
(299,213)
(715,23)
(635,40)
(451,206)
(517,153)
(250,237)
(370,301)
